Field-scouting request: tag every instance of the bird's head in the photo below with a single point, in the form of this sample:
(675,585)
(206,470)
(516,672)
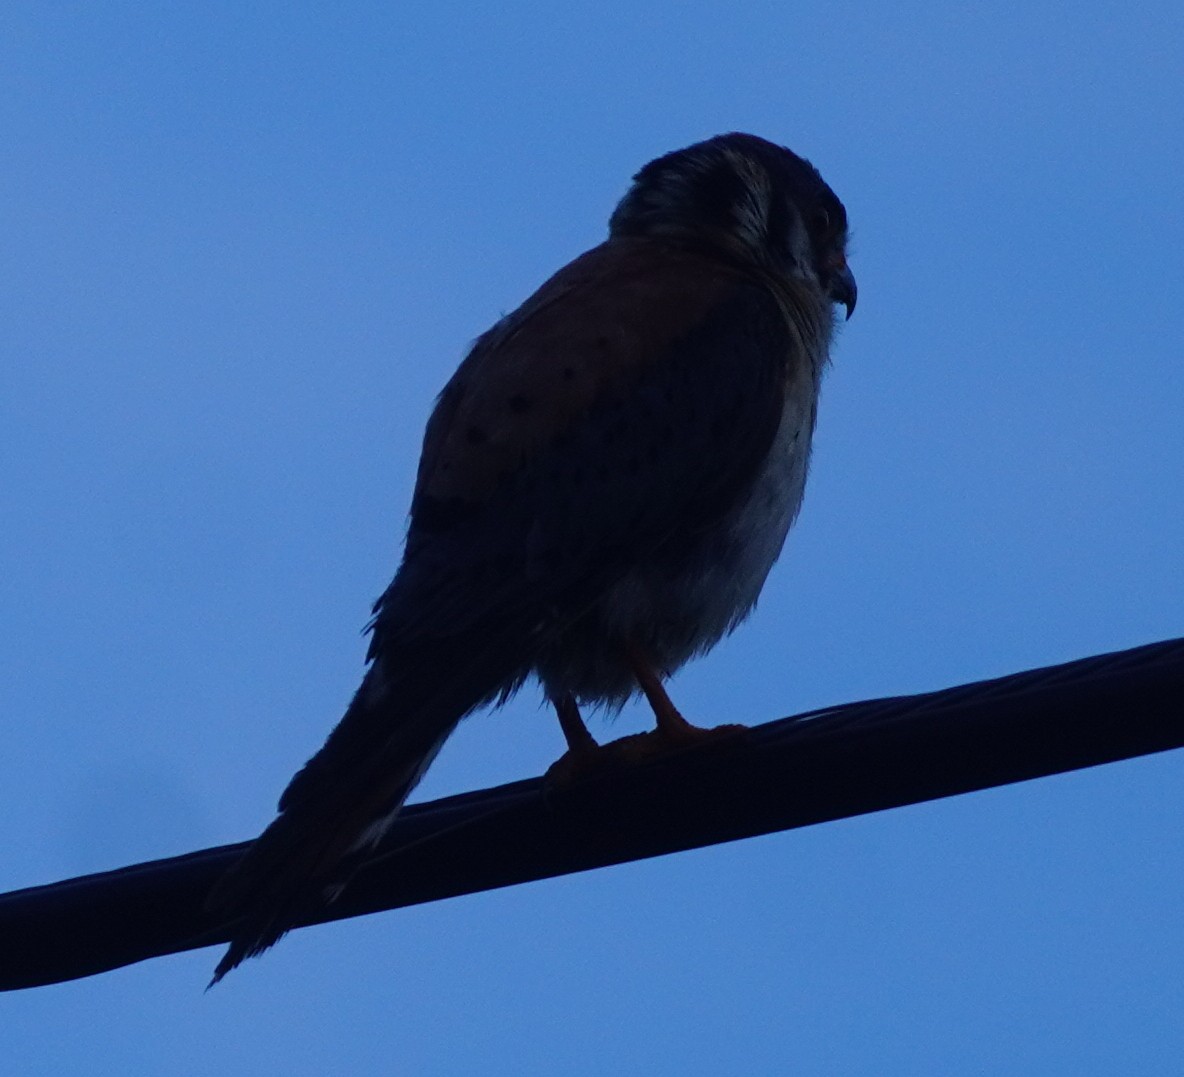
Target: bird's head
(750,200)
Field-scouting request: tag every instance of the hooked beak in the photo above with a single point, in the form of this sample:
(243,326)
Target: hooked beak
(841,287)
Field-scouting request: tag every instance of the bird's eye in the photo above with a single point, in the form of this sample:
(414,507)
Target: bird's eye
(821,222)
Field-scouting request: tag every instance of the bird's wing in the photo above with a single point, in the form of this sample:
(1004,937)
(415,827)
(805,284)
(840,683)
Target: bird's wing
(626,404)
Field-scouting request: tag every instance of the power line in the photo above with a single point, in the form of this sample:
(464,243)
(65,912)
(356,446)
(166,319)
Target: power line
(812,768)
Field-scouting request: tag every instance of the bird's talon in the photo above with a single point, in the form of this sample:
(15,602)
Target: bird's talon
(575,766)
(642,747)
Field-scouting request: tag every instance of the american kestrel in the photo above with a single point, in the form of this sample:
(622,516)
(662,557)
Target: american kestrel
(605,484)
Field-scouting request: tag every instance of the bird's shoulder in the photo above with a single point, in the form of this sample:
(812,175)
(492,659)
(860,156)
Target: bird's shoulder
(591,331)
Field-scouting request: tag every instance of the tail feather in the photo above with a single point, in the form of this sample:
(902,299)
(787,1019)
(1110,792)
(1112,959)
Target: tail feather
(341,802)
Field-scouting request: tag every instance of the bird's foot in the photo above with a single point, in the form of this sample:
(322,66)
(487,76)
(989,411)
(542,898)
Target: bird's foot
(668,738)
(577,764)
(590,761)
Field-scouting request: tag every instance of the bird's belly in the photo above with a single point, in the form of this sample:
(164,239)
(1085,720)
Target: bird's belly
(678,605)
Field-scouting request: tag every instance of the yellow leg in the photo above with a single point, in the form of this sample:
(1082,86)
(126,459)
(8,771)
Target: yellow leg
(672,728)
(579,740)
(671,724)
(583,756)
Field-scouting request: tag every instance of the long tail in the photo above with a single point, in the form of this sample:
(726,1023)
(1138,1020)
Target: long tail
(338,806)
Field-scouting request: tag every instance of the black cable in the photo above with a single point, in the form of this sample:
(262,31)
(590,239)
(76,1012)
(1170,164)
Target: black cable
(829,764)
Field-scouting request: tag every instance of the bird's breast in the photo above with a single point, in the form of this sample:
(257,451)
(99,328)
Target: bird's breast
(681,604)
(726,574)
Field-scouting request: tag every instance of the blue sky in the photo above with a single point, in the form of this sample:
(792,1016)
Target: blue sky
(240,251)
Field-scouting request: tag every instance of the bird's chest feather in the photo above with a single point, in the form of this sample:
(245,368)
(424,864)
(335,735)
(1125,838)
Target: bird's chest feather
(760,522)
(687,598)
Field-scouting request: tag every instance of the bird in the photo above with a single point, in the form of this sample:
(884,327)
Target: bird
(604,485)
